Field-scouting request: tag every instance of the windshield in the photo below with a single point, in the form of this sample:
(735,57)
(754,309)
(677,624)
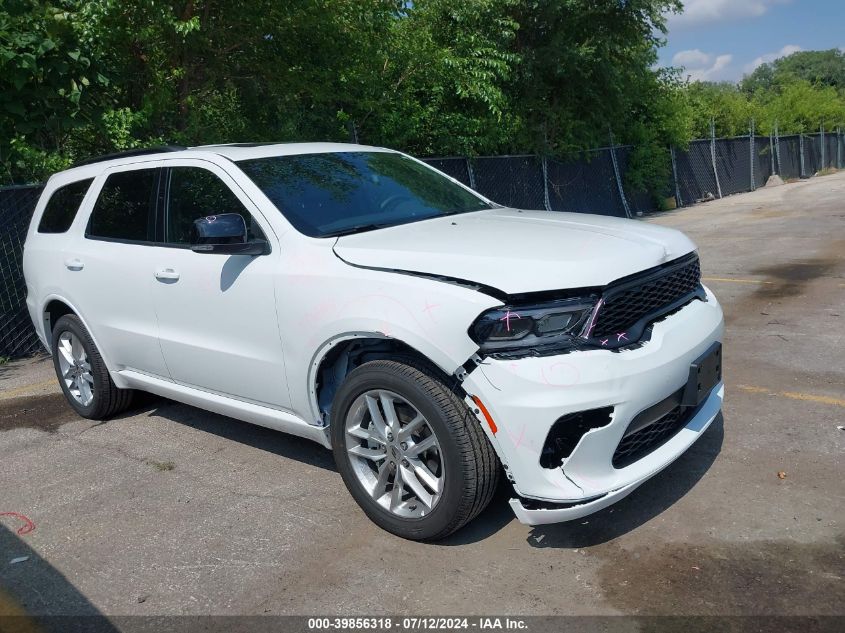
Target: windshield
(346,192)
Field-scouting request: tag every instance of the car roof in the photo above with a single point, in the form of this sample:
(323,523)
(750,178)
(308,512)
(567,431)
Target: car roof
(246,151)
(232,151)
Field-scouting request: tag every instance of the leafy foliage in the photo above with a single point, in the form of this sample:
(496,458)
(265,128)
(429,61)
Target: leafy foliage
(432,77)
(45,75)
(819,68)
(798,93)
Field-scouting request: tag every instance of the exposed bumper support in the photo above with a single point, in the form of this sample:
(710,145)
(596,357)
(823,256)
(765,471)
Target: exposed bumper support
(558,515)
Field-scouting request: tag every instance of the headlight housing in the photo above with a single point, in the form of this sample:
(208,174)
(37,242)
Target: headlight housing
(537,328)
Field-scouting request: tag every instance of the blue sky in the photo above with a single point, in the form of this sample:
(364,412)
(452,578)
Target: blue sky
(718,40)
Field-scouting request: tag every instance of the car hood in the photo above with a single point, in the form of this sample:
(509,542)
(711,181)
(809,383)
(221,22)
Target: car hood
(518,251)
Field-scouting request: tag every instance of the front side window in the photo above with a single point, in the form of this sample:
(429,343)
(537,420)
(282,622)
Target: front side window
(125,209)
(62,207)
(194,193)
(345,192)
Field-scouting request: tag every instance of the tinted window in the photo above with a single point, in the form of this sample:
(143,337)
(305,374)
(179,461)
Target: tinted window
(62,207)
(195,193)
(328,194)
(125,209)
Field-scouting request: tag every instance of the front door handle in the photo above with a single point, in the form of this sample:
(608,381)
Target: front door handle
(74,264)
(167,274)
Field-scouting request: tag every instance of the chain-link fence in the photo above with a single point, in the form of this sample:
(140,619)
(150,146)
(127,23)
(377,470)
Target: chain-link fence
(17,338)
(713,168)
(763,160)
(588,182)
(695,178)
(789,161)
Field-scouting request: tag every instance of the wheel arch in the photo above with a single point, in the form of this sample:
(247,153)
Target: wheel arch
(339,356)
(54,308)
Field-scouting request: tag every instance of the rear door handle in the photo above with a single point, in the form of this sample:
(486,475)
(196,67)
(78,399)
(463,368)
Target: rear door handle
(167,274)
(74,264)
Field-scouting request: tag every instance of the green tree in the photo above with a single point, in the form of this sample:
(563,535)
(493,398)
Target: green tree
(799,106)
(821,68)
(724,103)
(444,81)
(46,79)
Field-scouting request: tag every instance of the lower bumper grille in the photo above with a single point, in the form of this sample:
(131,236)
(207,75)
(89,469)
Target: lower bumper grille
(645,440)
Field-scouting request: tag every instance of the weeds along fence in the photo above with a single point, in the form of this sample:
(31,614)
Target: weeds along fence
(590,182)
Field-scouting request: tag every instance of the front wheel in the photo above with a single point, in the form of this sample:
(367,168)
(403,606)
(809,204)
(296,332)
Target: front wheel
(410,452)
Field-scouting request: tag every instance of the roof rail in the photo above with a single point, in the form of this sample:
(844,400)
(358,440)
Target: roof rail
(131,152)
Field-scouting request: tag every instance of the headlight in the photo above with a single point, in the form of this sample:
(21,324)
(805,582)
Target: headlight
(542,327)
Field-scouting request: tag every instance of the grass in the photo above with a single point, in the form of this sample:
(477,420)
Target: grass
(161,466)
(5,360)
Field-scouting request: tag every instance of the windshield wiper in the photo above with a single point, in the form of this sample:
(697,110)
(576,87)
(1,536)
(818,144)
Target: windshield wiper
(358,228)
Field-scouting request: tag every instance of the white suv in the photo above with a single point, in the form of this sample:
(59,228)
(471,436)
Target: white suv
(357,297)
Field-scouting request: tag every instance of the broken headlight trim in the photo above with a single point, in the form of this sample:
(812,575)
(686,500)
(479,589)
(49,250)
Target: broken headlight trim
(541,326)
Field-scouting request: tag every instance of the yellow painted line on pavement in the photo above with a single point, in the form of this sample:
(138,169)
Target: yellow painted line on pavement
(795,395)
(26,389)
(737,281)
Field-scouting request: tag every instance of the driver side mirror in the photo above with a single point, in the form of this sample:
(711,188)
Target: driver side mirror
(224,234)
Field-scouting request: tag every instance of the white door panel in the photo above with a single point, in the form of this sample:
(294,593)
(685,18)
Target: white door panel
(217,313)
(217,323)
(112,284)
(109,279)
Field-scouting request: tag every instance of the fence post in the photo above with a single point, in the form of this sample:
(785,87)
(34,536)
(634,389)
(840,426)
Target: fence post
(678,200)
(801,151)
(839,148)
(821,131)
(713,154)
(751,151)
(470,173)
(777,148)
(772,150)
(546,200)
(618,179)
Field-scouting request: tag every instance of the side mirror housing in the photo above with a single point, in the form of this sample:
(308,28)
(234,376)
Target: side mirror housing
(224,234)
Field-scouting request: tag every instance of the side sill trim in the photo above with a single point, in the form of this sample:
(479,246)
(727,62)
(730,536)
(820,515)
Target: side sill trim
(245,411)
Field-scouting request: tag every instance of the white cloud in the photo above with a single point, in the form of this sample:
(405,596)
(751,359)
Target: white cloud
(701,66)
(693,58)
(697,12)
(770,57)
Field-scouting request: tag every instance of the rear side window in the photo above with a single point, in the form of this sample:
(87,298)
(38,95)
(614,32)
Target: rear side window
(62,207)
(195,193)
(125,209)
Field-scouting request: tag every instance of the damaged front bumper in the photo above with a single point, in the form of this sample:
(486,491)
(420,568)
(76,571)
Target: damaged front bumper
(525,397)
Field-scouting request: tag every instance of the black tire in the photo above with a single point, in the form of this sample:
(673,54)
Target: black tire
(108,400)
(470,464)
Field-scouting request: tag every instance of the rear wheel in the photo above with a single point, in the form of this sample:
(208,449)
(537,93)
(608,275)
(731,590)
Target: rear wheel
(82,373)
(410,452)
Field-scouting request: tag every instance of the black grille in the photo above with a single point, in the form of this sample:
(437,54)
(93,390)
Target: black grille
(647,294)
(641,442)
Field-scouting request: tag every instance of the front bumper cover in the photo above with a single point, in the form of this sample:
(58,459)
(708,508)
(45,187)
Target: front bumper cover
(662,458)
(526,396)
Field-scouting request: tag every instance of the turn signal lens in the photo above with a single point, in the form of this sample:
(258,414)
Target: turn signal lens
(486,414)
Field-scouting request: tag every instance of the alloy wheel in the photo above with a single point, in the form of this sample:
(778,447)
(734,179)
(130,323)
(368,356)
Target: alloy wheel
(394,453)
(75,368)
